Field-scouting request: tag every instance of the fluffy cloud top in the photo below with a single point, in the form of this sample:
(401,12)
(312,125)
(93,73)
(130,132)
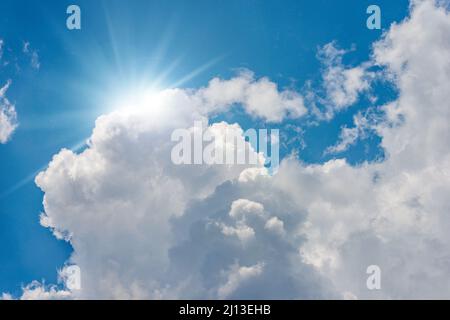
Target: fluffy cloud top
(142,227)
(237,275)
(259,97)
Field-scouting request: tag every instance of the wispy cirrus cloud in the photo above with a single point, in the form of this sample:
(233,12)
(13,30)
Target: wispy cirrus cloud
(8,115)
(32,54)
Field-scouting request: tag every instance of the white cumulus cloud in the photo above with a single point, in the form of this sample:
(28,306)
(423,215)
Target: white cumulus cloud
(142,227)
(259,97)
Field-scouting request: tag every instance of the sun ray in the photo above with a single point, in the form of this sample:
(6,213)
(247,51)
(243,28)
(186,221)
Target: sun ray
(29,178)
(197,71)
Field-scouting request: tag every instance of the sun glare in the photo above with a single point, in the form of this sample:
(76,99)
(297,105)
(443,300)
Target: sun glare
(137,101)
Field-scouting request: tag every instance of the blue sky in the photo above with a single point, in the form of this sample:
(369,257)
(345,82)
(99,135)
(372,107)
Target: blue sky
(126,44)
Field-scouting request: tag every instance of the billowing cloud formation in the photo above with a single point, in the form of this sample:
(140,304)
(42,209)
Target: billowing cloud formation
(259,97)
(394,213)
(8,115)
(121,192)
(144,228)
(37,291)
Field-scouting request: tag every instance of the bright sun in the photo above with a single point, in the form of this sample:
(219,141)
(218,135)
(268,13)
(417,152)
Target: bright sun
(138,101)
